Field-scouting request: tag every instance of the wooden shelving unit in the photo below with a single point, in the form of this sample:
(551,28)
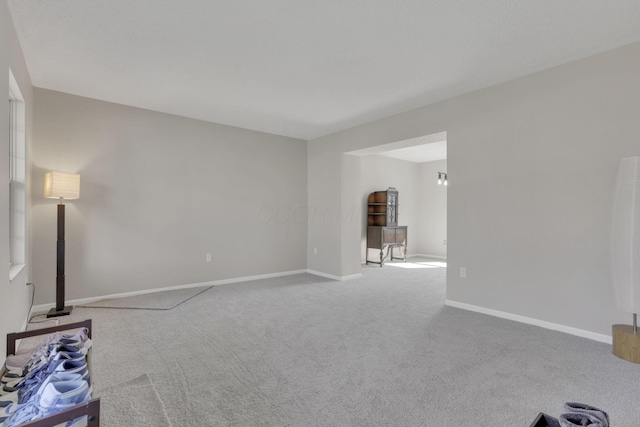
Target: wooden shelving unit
(90,409)
(382,208)
(383,231)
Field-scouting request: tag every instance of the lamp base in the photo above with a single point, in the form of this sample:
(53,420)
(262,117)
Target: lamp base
(626,344)
(56,313)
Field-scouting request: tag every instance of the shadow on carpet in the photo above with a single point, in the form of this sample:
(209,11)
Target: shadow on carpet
(131,404)
(164,300)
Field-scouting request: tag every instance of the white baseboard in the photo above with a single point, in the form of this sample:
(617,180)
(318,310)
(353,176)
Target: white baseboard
(427,256)
(82,301)
(444,258)
(531,321)
(334,277)
(351,276)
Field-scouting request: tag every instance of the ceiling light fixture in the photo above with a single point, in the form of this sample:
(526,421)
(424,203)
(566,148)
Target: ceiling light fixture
(442,178)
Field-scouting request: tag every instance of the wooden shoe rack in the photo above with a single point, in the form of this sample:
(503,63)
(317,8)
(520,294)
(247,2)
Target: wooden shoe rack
(91,408)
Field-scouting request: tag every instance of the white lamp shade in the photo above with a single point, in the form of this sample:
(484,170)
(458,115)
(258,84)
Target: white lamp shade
(62,185)
(626,236)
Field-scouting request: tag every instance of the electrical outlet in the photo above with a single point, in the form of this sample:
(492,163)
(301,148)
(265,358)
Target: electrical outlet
(444,242)
(209,257)
(463,272)
(315,251)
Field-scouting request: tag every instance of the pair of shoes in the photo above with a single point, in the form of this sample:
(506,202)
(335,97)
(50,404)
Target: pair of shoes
(65,352)
(23,358)
(34,378)
(35,382)
(58,392)
(18,386)
(579,414)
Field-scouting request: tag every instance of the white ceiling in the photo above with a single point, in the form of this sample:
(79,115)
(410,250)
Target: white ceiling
(304,68)
(428,152)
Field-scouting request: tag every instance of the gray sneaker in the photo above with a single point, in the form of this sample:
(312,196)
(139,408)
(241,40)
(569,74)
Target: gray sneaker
(581,408)
(53,397)
(573,419)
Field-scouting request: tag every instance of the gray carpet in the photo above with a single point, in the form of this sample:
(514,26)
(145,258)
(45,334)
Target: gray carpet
(382,350)
(134,403)
(165,300)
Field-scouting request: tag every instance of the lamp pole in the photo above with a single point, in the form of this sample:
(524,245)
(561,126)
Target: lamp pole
(60,309)
(61,186)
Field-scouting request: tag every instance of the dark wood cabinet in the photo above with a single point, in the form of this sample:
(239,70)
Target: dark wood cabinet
(387,238)
(383,231)
(382,207)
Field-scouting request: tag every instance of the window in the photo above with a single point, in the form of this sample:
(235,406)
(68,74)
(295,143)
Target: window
(17,178)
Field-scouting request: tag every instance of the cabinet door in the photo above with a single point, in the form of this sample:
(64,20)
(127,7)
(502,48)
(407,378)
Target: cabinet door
(401,235)
(374,237)
(388,235)
(392,208)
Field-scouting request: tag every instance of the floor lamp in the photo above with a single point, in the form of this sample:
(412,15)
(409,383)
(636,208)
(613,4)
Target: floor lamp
(62,186)
(625,250)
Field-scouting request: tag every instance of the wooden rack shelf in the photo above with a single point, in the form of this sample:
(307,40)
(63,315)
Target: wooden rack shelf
(382,207)
(90,409)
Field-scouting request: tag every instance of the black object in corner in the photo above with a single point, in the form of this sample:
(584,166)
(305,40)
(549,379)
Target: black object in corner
(544,420)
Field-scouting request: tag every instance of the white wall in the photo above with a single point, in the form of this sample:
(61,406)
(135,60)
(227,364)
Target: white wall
(158,192)
(379,173)
(431,224)
(14,295)
(534,162)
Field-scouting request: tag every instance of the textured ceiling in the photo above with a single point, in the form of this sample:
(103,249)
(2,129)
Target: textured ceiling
(304,68)
(427,152)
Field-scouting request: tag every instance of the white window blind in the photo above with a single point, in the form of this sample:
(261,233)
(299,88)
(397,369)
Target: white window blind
(17,178)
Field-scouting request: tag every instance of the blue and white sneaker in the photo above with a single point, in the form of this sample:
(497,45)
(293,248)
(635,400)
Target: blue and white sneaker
(72,367)
(53,397)
(23,358)
(68,355)
(57,368)
(31,382)
(7,410)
